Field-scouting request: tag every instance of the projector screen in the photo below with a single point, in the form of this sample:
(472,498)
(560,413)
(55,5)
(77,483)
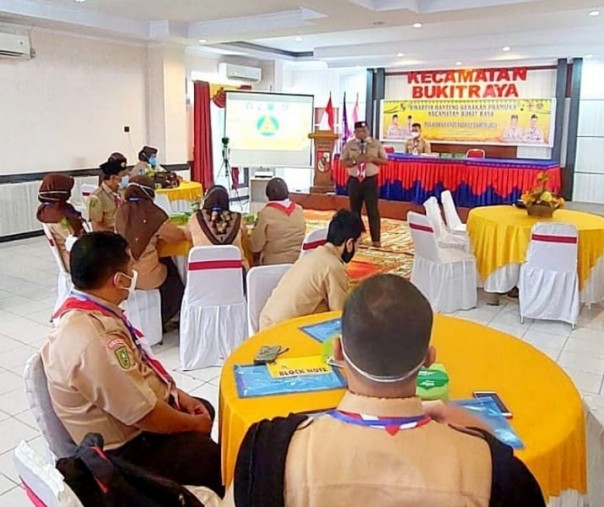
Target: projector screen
(269,129)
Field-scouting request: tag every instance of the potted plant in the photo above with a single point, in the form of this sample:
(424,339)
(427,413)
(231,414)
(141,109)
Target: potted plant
(540,201)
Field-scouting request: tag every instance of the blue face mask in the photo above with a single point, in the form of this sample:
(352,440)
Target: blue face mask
(124,182)
(153,161)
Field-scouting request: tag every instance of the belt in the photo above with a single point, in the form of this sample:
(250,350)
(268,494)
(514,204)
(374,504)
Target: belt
(365,178)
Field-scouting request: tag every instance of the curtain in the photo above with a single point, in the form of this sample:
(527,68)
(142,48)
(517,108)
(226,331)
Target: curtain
(202,136)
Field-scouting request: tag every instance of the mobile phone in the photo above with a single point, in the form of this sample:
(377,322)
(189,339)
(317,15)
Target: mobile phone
(505,411)
(268,354)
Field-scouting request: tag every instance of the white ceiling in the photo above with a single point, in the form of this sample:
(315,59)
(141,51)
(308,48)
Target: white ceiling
(368,33)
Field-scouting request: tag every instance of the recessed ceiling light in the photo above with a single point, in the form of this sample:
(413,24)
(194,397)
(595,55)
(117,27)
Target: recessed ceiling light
(203,41)
(417,25)
(588,56)
(80,1)
(594,13)
(458,63)
(506,48)
(400,55)
(298,39)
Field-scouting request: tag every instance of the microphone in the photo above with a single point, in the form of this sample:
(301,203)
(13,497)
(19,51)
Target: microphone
(363,147)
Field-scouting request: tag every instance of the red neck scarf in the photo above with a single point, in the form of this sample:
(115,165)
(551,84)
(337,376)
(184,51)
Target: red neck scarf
(288,210)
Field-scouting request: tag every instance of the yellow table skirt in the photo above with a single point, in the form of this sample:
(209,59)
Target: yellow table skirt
(548,413)
(500,235)
(186,191)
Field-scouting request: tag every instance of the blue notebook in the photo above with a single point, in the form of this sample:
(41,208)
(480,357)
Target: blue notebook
(488,411)
(324,331)
(255,380)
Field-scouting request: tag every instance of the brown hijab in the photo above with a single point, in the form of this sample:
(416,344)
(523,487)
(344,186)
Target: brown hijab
(138,219)
(54,193)
(217,222)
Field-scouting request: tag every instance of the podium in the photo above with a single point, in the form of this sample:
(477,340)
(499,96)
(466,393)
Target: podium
(323,181)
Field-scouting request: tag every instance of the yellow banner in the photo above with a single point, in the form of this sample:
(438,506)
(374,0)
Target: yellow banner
(479,121)
(298,366)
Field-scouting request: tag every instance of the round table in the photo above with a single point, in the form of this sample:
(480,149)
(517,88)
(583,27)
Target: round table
(182,196)
(500,237)
(548,413)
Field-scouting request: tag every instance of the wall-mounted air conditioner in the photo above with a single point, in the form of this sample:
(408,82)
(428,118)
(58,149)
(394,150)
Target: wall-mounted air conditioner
(14,46)
(240,72)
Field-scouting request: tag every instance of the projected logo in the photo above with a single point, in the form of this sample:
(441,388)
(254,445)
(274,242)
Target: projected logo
(267,125)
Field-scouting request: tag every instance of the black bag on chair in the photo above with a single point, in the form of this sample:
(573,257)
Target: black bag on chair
(101,481)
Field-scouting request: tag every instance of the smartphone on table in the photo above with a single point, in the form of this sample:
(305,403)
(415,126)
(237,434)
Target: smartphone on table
(505,411)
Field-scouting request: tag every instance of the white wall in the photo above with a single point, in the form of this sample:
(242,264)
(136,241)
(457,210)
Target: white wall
(589,170)
(66,108)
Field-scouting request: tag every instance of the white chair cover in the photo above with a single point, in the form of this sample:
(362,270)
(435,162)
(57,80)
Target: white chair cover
(443,235)
(162,201)
(36,391)
(447,277)
(64,284)
(43,479)
(453,221)
(549,284)
(313,239)
(261,281)
(86,190)
(143,309)
(213,316)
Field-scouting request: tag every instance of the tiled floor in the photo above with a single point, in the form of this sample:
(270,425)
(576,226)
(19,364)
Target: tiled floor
(27,295)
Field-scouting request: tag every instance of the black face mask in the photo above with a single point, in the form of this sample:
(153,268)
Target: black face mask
(347,256)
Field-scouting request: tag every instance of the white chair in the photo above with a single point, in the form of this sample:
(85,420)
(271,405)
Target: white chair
(162,201)
(86,190)
(43,483)
(313,239)
(143,309)
(261,281)
(446,277)
(64,284)
(213,316)
(444,237)
(549,284)
(453,221)
(59,442)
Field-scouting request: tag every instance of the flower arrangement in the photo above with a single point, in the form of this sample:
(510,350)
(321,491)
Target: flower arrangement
(540,201)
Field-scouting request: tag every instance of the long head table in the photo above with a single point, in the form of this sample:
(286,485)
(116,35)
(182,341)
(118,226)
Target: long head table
(473,182)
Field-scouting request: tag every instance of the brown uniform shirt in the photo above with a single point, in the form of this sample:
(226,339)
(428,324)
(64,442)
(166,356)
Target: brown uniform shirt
(333,463)
(60,232)
(102,206)
(423,146)
(151,272)
(200,239)
(316,283)
(96,378)
(352,151)
(277,236)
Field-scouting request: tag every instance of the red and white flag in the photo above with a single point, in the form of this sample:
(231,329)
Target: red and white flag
(355,112)
(328,119)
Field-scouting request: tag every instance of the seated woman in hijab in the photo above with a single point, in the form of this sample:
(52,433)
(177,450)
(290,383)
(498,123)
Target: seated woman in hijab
(280,231)
(215,224)
(63,220)
(142,223)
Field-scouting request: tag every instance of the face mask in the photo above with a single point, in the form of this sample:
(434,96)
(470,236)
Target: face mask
(133,279)
(347,256)
(124,182)
(153,161)
(415,134)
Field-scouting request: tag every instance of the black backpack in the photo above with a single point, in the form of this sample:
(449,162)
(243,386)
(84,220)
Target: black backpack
(102,481)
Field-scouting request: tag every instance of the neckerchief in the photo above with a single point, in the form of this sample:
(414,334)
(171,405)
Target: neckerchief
(80,301)
(288,210)
(392,425)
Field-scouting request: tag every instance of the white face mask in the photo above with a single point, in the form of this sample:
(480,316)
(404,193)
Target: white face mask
(414,135)
(133,279)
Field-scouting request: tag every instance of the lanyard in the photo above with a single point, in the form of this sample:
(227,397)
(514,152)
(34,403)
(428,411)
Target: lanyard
(79,301)
(392,425)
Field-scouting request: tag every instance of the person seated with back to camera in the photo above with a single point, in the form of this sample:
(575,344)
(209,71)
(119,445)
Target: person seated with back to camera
(317,282)
(215,224)
(104,201)
(62,219)
(381,446)
(143,224)
(278,236)
(103,378)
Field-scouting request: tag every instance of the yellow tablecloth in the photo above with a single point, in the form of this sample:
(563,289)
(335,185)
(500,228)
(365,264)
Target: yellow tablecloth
(500,235)
(548,413)
(186,191)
